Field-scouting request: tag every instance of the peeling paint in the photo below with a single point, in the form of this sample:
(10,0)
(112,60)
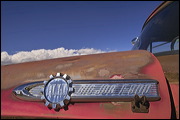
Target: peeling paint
(84,67)
(90,69)
(63,66)
(40,75)
(103,72)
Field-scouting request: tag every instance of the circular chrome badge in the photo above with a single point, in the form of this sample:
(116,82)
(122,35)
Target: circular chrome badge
(57,90)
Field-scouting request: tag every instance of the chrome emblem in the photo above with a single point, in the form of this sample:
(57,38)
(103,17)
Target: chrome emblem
(60,90)
(57,91)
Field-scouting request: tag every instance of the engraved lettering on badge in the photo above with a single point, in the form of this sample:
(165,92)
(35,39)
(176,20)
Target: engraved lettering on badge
(123,89)
(132,89)
(90,89)
(56,90)
(113,89)
(104,90)
(146,89)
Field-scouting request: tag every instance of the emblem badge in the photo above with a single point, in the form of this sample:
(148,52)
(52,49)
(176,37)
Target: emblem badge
(57,91)
(60,90)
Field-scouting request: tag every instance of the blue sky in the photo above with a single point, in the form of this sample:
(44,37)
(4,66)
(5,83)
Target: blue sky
(104,25)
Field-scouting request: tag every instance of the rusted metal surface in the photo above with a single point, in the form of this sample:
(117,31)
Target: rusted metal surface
(138,64)
(79,67)
(175,93)
(140,104)
(170,65)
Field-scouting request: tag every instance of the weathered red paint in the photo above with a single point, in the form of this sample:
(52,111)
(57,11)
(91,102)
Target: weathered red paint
(11,106)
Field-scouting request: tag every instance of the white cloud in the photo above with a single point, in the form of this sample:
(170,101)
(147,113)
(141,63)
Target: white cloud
(42,54)
(5,58)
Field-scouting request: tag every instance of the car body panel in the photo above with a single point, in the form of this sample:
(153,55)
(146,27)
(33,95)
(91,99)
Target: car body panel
(170,65)
(160,36)
(175,93)
(138,64)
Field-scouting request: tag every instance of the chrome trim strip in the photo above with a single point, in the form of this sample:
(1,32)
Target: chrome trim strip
(23,92)
(96,90)
(114,90)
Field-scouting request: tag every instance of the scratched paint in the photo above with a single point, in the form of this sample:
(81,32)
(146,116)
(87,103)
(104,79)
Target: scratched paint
(142,65)
(103,73)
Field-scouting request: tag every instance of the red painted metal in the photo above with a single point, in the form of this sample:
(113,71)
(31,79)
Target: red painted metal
(11,106)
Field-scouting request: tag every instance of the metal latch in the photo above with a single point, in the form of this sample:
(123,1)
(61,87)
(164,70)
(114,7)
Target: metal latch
(140,104)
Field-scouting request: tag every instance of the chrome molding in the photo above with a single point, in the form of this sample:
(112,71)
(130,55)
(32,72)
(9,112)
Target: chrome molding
(116,90)
(60,90)
(29,91)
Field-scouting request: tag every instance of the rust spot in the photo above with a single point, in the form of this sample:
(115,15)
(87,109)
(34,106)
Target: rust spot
(170,65)
(117,108)
(102,66)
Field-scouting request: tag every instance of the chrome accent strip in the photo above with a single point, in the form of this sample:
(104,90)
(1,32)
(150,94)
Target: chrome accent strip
(96,90)
(114,92)
(25,91)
